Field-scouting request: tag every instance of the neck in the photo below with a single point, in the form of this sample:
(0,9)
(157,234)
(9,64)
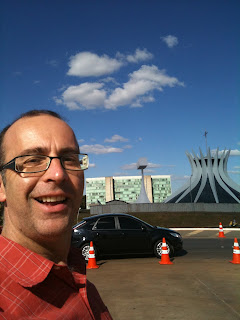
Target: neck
(56,249)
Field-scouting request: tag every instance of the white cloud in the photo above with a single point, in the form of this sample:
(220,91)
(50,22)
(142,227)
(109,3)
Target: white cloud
(158,78)
(128,94)
(17,73)
(99,149)
(107,92)
(64,87)
(80,140)
(128,146)
(171,41)
(92,165)
(58,100)
(53,63)
(235,152)
(117,174)
(116,138)
(149,171)
(133,166)
(84,96)
(140,101)
(153,165)
(220,152)
(85,64)
(234,172)
(142,82)
(179,178)
(109,80)
(139,55)
(135,92)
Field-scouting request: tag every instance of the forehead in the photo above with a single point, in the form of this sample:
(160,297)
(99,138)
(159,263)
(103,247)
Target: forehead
(43,131)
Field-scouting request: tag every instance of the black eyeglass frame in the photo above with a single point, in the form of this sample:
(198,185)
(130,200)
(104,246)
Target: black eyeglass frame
(12,163)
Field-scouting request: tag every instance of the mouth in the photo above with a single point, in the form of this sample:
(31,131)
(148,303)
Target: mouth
(51,200)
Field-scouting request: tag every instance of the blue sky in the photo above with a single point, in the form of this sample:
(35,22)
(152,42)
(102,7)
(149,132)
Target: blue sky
(133,78)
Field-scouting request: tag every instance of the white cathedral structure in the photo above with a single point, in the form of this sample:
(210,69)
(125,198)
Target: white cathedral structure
(209,181)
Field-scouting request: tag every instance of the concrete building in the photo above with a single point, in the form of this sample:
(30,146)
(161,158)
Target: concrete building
(209,181)
(126,188)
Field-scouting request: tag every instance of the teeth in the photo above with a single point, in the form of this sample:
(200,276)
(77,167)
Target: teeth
(51,199)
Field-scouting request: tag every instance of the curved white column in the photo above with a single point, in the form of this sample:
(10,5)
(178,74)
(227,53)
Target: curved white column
(211,169)
(204,176)
(221,182)
(223,171)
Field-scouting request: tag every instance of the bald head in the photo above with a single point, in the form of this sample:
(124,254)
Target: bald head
(7,129)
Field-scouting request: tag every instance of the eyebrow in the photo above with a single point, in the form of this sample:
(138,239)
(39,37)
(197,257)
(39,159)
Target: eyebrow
(43,151)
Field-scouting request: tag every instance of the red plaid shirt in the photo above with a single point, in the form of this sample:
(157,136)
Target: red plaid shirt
(32,287)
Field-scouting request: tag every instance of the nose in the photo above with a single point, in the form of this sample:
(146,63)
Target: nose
(55,172)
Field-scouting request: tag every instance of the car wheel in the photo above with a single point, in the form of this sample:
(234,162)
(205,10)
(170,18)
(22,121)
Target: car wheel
(85,251)
(158,249)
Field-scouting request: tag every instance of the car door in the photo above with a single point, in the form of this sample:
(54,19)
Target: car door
(135,236)
(106,236)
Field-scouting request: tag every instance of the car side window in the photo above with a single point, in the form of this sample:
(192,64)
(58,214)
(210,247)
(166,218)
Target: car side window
(90,225)
(127,223)
(105,223)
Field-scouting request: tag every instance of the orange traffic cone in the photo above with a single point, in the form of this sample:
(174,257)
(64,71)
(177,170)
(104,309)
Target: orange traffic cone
(221,233)
(91,258)
(236,252)
(165,256)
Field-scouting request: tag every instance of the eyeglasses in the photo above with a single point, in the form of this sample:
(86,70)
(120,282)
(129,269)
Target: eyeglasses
(39,163)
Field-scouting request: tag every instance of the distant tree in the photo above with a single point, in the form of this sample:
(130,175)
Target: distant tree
(83,204)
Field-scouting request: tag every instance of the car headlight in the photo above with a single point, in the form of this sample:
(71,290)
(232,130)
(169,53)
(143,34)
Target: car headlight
(76,231)
(175,235)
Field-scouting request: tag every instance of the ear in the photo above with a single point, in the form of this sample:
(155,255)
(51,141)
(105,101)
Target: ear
(2,190)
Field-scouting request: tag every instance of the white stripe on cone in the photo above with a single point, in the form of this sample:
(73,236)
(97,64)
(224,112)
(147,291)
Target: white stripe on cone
(237,251)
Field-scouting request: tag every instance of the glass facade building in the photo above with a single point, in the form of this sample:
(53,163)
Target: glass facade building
(126,188)
(95,191)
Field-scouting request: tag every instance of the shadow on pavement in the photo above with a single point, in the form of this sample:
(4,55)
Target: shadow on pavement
(180,253)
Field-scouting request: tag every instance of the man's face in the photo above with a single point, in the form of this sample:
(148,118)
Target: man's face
(41,206)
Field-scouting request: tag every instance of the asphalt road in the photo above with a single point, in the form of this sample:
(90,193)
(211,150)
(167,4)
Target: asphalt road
(201,284)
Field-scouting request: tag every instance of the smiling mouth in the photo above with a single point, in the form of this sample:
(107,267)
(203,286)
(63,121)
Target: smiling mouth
(52,200)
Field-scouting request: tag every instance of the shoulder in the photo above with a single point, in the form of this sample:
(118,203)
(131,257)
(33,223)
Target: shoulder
(96,303)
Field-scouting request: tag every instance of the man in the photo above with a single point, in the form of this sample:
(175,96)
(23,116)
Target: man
(41,186)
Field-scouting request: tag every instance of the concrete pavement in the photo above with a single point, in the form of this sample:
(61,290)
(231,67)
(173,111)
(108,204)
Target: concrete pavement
(198,286)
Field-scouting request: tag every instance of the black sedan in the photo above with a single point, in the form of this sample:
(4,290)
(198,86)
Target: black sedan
(123,234)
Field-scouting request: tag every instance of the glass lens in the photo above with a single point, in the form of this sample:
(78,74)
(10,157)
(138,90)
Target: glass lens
(38,163)
(85,161)
(31,163)
(75,162)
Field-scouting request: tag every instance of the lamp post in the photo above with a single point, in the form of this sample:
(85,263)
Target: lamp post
(205,134)
(142,198)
